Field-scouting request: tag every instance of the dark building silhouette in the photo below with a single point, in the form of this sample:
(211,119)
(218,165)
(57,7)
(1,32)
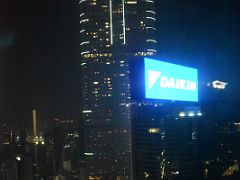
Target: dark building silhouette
(165,144)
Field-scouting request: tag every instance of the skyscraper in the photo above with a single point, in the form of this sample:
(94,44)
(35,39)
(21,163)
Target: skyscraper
(112,32)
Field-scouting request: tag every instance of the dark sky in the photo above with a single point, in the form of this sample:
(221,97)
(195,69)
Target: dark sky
(39,50)
(41,66)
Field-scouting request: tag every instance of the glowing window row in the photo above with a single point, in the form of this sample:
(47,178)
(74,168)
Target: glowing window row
(94,55)
(144,53)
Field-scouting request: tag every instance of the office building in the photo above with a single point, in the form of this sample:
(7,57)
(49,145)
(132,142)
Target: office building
(111,31)
(165,143)
(182,140)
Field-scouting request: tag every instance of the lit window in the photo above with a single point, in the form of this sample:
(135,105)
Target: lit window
(150,1)
(84,20)
(131,2)
(87,111)
(153,130)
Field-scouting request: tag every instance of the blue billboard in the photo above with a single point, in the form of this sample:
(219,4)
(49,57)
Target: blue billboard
(168,81)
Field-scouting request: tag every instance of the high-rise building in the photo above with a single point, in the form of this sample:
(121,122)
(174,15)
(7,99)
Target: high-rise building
(165,141)
(112,32)
(186,140)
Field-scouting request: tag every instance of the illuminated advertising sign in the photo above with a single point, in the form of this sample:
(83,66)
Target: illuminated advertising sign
(168,81)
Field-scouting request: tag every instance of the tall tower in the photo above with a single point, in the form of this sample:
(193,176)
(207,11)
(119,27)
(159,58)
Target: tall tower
(34,114)
(112,32)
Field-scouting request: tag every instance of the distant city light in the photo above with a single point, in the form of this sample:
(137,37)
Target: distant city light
(237,124)
(67,146)
(43,143)
(146,175)
(199,114)
(18,158)
(36,142)
(219,84)
(89,154)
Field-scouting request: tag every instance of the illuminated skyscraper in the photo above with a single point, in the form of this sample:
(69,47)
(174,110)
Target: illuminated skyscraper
(112,32)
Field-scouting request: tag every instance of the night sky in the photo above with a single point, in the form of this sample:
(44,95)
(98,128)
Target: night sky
(40,55)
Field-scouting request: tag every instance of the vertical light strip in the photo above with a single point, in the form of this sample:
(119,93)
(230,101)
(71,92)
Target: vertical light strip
(111,21)
(124,23)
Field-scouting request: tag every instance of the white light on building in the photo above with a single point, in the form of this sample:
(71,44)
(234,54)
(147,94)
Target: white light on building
(182,114)
(18,158)
(219,84)
(191,114)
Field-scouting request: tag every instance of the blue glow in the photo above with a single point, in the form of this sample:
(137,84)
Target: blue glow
(168,81)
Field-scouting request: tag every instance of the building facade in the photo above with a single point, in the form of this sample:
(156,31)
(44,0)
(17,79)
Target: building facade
(182,140)
(111,31)
(165,141)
